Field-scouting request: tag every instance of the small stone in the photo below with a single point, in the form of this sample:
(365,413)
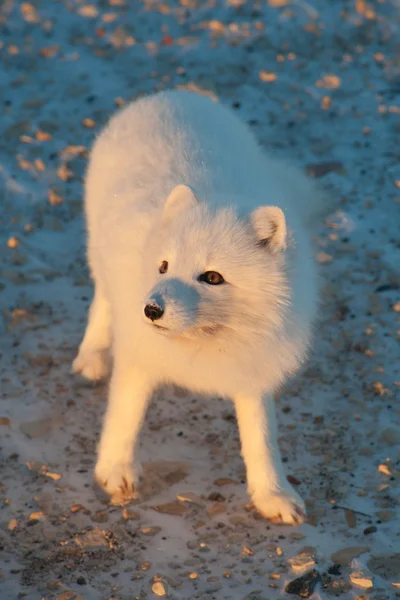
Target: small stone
(100,516)
(304,586)
(159,588)
(37,428)
(371,529)
(216,497)
(351,518)
(175,508)
(36,515)
(247,550)
(81,581)
(54,476)
(193,576)
(267,76)
(76,508)
(384,469)
(191,498)
(361,579)
(301,562)
(386,515)
(130,515)
(334,570)
(324,258)
(5,421)
(12,524)
(92,540)
(150,531)
(225,481)
(386,566)
(216,509)
(390,436)
(346,555)
(12,242)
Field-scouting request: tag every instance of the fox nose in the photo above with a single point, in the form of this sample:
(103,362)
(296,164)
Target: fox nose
(153,312)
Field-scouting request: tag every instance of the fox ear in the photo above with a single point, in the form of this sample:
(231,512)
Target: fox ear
(181,198)
(269,223)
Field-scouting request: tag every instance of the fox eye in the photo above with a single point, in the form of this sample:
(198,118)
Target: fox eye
(212,278)
(163,267)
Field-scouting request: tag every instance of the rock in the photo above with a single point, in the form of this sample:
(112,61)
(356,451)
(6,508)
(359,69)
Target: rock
(386,566)
(386,515)
(171,508)
(324,258)
(12,524)
(321,169)
(92,540)
(159,589)
(150,531)
(390,436)
(37,428)
(35,516)
(334,570)
(76,508)
(225,481)
(216,497)
(304,586)
(191,498)
(216,509)
(130,515)
(361,579)
(371,529)
(5,421)
(100,516)
(346,555)
(301,562)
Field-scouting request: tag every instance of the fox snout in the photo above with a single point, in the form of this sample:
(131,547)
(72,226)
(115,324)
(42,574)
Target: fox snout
(155,308)
(174,303)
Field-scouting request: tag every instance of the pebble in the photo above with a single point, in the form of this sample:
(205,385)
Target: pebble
(304,586)
(301,562)
(346,555)
(12,524)
(190,498)
(216,509)
(386,566)
(159,588)
(390,436)
(130,515)
(100,516)
(361,579)
(175,508)
(150,530)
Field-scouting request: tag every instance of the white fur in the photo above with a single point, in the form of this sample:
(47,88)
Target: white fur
(245,216)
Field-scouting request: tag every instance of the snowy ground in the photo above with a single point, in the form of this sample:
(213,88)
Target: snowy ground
(319,83)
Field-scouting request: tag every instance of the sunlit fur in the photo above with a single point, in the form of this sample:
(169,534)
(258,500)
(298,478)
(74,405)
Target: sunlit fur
(243,337)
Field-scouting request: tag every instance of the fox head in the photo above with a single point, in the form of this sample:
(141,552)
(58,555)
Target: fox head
(212,275)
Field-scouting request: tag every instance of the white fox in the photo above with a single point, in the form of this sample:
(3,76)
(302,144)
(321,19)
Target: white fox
(199,248)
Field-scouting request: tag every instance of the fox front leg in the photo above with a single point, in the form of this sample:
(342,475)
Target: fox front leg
(271,493)
(118,468)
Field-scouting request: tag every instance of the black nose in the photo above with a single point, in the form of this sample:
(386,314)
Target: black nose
(153,312)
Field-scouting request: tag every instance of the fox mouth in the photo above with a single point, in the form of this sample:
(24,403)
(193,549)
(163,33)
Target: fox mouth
(160,327)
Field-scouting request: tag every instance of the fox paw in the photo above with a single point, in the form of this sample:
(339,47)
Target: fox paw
(281,506)
(92,365)
(119,480)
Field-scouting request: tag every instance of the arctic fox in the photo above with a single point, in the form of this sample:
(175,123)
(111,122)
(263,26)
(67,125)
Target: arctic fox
(199,248)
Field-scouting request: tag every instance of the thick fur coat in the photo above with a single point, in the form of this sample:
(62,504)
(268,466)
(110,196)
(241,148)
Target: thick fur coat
(199,248)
